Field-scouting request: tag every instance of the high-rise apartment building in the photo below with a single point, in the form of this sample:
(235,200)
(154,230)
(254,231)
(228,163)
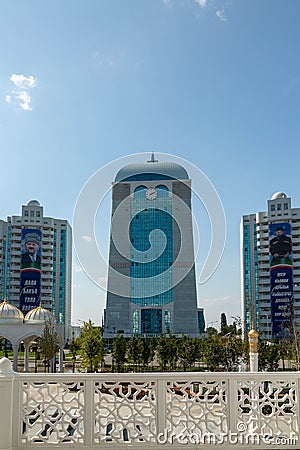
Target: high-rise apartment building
(28,278)
(270,269)
(151,277)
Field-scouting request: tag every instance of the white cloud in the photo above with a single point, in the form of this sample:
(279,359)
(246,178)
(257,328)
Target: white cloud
(20,93)
(22,82)
(202,3)
(212,6)
(86,238)
(25,100)
(221,15)
(216,6)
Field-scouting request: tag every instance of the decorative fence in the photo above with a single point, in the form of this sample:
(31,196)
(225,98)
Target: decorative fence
(148,410)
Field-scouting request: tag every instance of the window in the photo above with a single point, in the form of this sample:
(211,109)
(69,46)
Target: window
(285,206)
(26,213)
(272,207)
(135,321)
(31,213)
(279,207)
(139,192)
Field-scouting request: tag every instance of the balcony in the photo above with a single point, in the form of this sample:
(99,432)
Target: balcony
(149,410)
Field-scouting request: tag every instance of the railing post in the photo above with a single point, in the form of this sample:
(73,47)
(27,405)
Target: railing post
(298,406)
(161,407)
(232,404)
(6,405)
(89,412)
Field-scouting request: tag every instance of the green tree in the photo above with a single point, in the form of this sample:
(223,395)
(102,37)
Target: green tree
(184,349)
(134,351)
(223,323)
(74,347)
(48,343)
(285,350)
(234,350)
(211,331)
(268,355)
(173,343)
(188,352)
(148,346)
(237,325)
(92,347)
(213,353)
(119,352)
(163,352)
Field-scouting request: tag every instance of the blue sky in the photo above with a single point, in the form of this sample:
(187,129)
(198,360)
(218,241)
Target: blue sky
(214,82)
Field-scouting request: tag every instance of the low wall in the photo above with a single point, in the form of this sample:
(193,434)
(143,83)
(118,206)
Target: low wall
(149,410)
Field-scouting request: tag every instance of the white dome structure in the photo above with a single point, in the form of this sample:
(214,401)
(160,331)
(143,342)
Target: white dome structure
(10,313)
(278,195)
(33,203)
(16,329)
(40,314)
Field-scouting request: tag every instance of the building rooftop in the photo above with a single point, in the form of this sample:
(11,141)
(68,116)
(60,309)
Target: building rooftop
(33,203)
(278,195)
(152,170)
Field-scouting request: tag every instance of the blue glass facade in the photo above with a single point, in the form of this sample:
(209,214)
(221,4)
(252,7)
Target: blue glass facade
(144,221)
(59,279)
(62,276)
(147,293)
(151,321)
(54,273)
(135,321)
(250,277)
(3,271)
(201,321)
(167,321)
(6,294)
(247,271)
(256,278)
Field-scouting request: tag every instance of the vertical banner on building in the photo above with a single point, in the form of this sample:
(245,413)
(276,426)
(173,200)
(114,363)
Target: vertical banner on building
(281,279)
(30,274)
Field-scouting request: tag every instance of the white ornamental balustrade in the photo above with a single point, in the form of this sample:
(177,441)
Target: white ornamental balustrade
(150,410)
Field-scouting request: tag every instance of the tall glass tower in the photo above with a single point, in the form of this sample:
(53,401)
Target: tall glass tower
(270,269)
(48,279)
(151,277)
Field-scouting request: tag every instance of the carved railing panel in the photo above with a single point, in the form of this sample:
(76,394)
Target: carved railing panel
(53,412)
(268,407)
(125,411)
(197,407)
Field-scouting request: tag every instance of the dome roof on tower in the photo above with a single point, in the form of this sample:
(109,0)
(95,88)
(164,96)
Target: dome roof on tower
(278,195)
(33,203)
(10,313)
(152,170)
(40,314)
